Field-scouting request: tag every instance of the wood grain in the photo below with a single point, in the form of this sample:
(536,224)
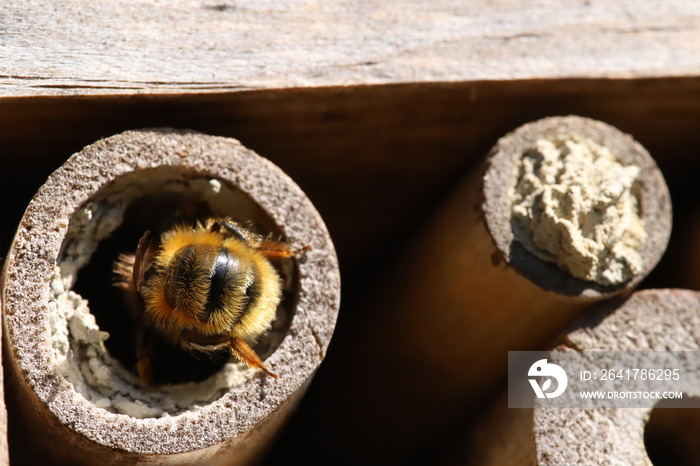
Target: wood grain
(106,47)
(406,145)
(399,98)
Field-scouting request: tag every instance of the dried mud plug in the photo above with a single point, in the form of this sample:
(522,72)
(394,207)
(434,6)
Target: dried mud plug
(235,283)
(583,198)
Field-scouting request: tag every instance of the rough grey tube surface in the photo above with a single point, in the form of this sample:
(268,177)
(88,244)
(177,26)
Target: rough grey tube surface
(233,429)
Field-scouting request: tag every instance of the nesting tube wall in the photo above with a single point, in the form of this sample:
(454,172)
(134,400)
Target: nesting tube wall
(71,398)
(4,453)
(465,293)
(650,320)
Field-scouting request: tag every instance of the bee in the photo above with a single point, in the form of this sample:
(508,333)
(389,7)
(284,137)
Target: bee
(205,287)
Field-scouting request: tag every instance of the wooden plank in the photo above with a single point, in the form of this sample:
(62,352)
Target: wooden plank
(61,47)
(405,146)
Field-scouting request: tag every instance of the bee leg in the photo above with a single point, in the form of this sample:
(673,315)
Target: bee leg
(144,353)
(232,229)
(269,249)
(277,250)
(145,254)
(245,353)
